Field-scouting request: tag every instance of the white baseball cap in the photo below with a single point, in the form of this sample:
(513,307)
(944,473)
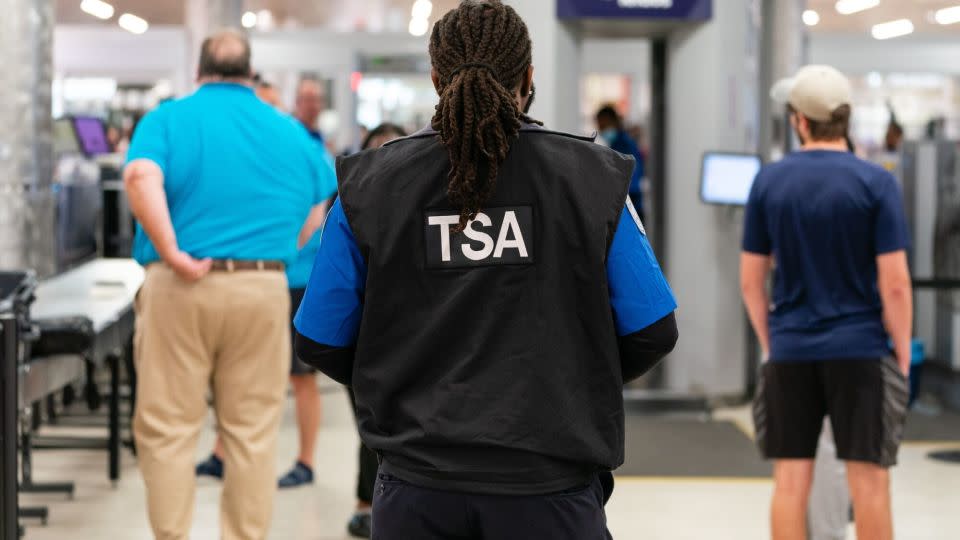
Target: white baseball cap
(815,92)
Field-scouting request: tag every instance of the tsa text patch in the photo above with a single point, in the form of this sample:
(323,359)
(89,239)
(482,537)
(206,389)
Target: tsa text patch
(496,236)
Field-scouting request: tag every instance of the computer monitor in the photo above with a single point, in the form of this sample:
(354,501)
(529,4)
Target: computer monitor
(726,178)
(65,137)
(92,135)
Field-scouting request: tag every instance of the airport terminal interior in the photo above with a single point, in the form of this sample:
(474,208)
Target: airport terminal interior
(691,85)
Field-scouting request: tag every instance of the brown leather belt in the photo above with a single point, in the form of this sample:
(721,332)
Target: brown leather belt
(230,265)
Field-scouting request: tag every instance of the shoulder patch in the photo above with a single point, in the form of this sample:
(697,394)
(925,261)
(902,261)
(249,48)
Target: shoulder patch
(635,216)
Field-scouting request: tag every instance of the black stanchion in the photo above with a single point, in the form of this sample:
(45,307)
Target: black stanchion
(940,284)
(9,525)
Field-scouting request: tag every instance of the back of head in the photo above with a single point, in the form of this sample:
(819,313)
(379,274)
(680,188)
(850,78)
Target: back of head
(382,134)
(608,115)
(225,55)
(481,53)
(823,96)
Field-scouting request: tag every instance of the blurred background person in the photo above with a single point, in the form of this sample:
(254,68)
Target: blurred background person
(218,216)
(612,131)
(310,102)
(267,91)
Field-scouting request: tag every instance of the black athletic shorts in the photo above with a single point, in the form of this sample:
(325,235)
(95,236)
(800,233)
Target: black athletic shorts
(866,401)
(297,367)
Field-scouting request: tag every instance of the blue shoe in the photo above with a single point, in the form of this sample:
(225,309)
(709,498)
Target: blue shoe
(213,466)
(299,475)
(359,525)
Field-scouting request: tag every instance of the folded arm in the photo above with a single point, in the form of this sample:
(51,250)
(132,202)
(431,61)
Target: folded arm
(143,182)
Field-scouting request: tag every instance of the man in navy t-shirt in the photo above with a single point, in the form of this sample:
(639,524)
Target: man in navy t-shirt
(834,228)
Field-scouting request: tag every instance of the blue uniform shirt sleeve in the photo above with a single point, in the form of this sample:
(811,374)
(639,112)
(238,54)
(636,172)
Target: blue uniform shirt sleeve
(890,233)
(756,235)
(150,140)
(639,292)
(333,302)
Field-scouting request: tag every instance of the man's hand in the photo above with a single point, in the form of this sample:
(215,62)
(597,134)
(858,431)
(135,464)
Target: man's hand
(893,280)
(186,267)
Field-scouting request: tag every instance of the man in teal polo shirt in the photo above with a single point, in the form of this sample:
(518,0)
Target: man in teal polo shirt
(219,213)
(303,378)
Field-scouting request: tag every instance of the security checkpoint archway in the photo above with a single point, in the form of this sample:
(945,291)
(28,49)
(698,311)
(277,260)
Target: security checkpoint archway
(711,64)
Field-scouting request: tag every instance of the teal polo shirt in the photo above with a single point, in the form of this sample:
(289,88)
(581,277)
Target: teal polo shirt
(240,177)
(298,272)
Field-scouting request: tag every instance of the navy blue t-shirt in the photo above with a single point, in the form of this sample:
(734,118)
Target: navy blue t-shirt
(825,216)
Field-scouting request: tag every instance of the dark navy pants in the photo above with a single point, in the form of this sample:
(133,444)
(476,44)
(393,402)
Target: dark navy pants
(402,511)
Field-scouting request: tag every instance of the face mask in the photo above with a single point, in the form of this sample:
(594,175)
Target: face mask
(609,135)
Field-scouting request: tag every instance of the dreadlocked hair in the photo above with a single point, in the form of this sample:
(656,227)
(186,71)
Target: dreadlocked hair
(481,52)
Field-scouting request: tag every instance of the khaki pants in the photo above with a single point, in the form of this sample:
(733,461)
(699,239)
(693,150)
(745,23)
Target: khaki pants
(230,331)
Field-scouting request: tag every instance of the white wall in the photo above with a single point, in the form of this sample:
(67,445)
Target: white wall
(860,54)
(95,50)
(712,105)
(627,56)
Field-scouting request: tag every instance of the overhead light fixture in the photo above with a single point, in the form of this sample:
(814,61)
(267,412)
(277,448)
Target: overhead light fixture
(97,8)
(849,7)
(950,15)
(249,19)
(133,24)
(811,18)
(265,19)
(418,27)
(892,29)
(422,9)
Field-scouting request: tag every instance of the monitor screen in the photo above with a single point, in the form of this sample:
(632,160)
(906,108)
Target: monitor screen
(92,135)
(64,137)
(726,178)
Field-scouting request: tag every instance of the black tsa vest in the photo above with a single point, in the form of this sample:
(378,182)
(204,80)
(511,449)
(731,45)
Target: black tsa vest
(487,360)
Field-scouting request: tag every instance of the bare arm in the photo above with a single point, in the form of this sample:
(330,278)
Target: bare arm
(313,223)
(893,279)
(753,280)
(143,181)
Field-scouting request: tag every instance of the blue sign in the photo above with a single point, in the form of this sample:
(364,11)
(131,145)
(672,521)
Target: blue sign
(688,10)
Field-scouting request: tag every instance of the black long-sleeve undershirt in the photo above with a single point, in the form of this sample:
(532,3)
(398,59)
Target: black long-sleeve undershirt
(334,362)
(639,352)
(642,350)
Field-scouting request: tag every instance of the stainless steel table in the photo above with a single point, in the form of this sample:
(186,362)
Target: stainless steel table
(103,292)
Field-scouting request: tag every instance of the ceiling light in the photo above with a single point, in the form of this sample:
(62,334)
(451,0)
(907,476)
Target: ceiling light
(133,24)
(418,27)
(892,29)
(847,7)
(97,8)
(265,19)
(811,18)
(422,9)
(948,15)
(249,19)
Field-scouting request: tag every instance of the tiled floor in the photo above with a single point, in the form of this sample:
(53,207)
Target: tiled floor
(926,495)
